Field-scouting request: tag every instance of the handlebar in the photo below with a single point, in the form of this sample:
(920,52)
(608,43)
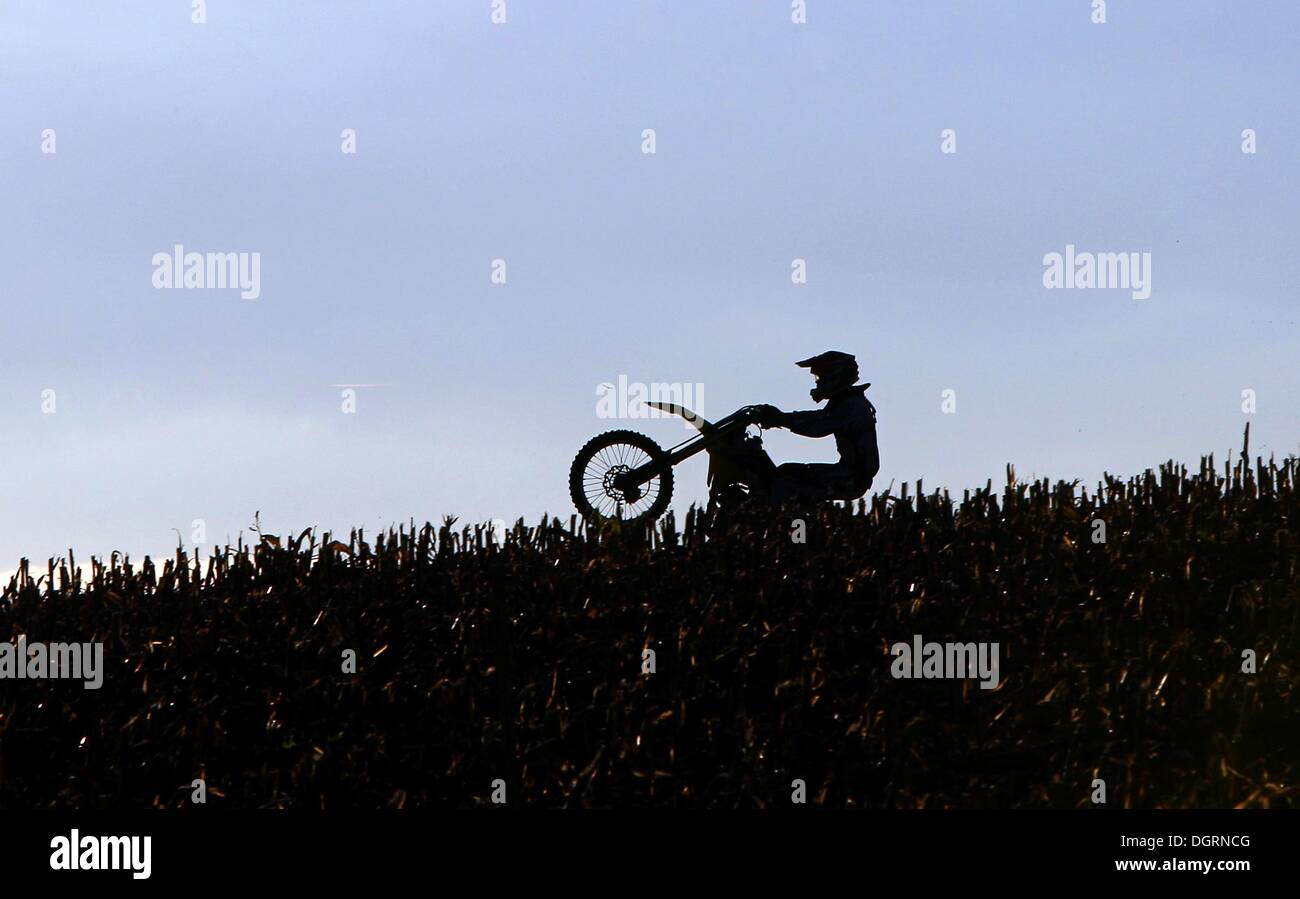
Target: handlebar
(754,415)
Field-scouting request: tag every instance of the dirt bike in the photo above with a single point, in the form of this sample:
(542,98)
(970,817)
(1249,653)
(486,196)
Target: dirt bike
(626,476)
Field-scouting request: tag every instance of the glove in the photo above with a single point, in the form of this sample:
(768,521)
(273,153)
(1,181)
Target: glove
(768,416)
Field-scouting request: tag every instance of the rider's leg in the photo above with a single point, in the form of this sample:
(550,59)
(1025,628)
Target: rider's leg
(800,480)
(815,481)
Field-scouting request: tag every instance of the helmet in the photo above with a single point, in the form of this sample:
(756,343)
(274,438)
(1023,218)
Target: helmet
(834,371)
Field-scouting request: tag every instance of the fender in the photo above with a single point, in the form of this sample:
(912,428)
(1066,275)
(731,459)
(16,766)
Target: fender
(701,424)
(719,463)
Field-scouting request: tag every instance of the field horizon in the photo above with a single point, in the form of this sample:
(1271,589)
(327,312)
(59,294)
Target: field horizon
(724,662)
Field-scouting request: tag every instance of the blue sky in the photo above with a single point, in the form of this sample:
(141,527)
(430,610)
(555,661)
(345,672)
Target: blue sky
(522,141)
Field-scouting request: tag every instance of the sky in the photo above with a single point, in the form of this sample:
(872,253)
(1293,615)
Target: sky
(131,412)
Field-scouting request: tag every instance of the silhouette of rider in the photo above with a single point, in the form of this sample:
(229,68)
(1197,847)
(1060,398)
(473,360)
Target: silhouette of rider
(848,415)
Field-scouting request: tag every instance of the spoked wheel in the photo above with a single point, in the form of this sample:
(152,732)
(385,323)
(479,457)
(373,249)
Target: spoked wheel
(593,478)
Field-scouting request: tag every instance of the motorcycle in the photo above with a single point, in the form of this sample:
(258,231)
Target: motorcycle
(626,476)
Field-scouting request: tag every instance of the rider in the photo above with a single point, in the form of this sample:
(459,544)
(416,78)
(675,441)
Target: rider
(848,415)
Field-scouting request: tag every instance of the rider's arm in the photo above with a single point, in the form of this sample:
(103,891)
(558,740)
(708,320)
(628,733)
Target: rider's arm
(814,423)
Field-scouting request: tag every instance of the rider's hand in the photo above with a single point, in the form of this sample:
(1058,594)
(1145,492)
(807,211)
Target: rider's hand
(768,416)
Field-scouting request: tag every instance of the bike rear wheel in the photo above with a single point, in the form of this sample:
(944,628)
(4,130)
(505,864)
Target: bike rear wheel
(605,457)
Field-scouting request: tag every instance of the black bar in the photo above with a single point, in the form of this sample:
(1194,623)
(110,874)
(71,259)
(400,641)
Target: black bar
(501,845)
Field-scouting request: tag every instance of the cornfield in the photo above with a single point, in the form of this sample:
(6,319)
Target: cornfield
(521,660)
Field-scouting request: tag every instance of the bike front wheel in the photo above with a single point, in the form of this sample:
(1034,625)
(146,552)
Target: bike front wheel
(597,465)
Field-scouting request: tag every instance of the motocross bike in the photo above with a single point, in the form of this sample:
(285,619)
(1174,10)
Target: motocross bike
(626,476)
